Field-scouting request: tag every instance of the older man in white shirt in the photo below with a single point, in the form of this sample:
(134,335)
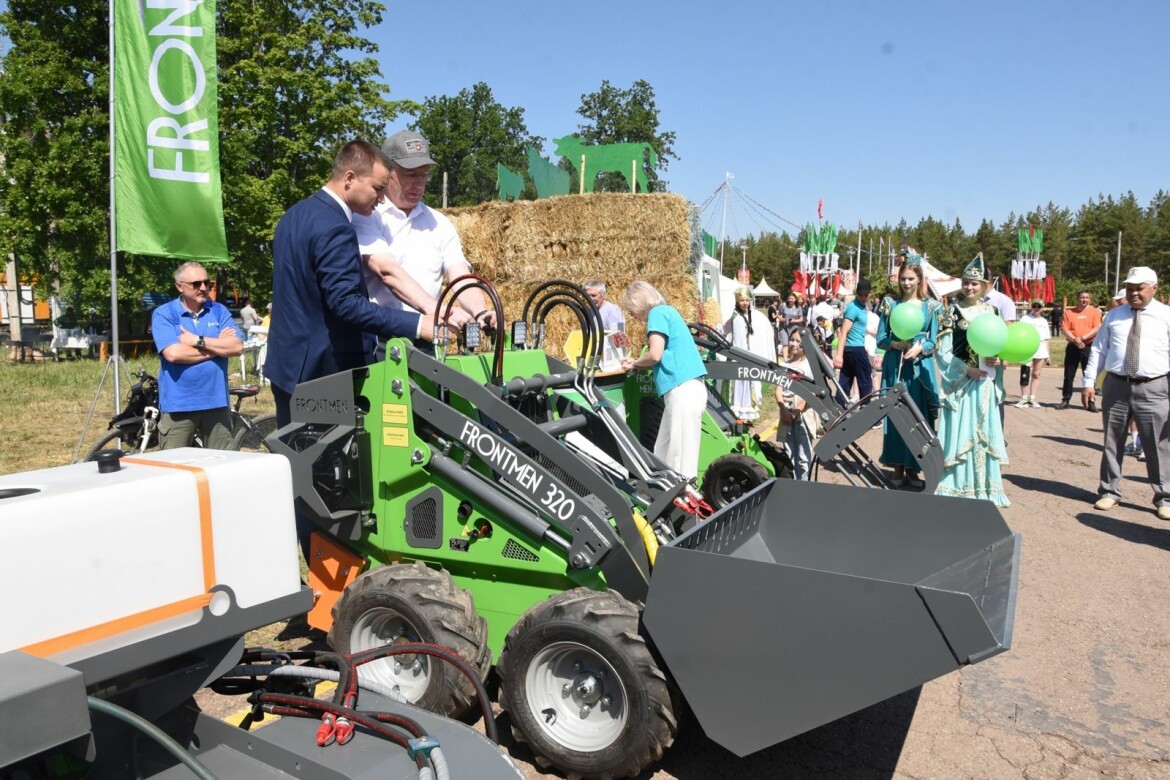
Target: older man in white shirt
(1133,347)
(409,248)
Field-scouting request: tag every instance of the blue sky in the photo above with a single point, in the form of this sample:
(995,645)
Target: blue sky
(886,110)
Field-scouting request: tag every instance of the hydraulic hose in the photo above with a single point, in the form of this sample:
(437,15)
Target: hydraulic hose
(303,707)
(315,673)
(446,654)
(164,740)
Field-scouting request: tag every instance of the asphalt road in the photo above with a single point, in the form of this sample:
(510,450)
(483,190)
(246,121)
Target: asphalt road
(1085,689)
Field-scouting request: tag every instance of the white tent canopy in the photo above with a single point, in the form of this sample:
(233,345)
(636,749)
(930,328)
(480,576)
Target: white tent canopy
(763,290)
(940,283)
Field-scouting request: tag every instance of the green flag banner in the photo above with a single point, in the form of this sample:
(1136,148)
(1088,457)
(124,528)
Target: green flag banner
(168,198)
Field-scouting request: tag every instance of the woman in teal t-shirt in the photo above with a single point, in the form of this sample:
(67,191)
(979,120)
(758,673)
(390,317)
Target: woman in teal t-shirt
(678,372)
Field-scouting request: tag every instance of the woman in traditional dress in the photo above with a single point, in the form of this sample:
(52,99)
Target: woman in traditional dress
(910,362)
(749,330)
(969,427)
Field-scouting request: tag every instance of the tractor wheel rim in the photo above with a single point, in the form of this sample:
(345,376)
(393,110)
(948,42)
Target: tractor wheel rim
(733,483)
(408,674)
(576,697)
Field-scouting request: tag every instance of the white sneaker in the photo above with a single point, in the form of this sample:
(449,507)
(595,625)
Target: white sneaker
(1105,503)
(1035,404)
(1023,404)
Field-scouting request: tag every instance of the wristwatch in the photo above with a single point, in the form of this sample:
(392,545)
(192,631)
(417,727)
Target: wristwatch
(200,344)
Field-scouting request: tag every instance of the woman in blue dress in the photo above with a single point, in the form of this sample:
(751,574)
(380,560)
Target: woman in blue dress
(910,362)
(969,428)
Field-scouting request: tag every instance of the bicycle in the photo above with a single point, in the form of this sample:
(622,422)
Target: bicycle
(135,429)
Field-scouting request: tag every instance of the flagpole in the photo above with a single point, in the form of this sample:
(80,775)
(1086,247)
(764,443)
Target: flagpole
(857,274)
(727,176)
(115,357)
(1117,271)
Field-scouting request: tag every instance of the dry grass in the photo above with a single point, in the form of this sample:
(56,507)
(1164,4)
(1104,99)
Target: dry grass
(44,407)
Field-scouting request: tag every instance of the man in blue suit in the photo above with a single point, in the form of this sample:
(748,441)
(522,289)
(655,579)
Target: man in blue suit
(322,320)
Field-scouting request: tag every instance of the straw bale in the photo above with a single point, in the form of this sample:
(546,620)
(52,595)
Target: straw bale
(614,237)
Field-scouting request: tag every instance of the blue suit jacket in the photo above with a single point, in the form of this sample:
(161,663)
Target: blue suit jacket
(321,314)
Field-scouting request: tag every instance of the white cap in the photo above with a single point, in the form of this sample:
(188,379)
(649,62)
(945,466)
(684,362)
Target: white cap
(1140,274)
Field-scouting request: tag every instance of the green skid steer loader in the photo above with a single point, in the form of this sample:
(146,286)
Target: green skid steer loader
(733,461)
(497,503)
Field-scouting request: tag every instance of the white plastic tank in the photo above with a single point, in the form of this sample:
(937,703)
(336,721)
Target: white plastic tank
(92,561)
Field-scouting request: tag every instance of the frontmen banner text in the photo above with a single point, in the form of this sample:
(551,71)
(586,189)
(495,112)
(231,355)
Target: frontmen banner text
(168,196)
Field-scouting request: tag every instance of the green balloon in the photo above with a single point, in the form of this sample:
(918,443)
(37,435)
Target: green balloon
(906,320)
(987,334)
(1022,343)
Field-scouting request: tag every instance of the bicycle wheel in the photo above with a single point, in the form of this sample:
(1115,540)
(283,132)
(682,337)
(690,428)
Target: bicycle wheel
(252,433)
(126,437)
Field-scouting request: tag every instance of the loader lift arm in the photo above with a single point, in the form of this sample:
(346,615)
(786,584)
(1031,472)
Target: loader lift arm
(648,472)
(623,560)
(844,425)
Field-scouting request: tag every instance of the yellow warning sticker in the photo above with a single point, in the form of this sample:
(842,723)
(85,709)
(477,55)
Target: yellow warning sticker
(394,414)
(395,437)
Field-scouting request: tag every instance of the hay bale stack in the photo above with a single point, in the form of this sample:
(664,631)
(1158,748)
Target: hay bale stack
(609,236)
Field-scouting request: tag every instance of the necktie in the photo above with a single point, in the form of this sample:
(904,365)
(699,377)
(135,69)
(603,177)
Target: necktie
(1133,344)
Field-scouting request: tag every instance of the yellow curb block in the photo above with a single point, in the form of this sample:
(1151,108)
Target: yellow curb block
(325,688)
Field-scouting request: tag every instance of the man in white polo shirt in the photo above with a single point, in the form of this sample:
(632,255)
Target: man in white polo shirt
(1133,347)
(410,249)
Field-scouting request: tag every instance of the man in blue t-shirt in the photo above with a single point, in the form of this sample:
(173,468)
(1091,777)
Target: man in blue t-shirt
(852,359)
(195,336)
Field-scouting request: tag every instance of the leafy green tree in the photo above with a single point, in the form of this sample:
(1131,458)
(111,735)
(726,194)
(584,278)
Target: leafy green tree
(54,144)
(1157,250)
(1057,224)
(626,115)
(470,134)
(296,80)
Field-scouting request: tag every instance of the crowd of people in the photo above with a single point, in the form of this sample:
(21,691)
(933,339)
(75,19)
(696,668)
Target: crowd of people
(364,259)
(961,394)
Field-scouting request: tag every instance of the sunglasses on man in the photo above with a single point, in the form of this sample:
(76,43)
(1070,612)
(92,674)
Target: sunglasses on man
(210,285)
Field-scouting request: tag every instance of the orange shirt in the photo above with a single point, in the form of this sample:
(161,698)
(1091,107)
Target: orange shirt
(1080,323)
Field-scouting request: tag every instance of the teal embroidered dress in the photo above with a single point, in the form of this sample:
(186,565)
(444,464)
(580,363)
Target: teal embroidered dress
(916,374)
(969,428)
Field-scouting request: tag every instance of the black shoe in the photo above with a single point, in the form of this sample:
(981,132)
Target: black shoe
(1062,405)
(1092,406)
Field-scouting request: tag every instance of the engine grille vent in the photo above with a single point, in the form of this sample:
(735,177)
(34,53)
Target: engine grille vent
(519,552)
(423,521)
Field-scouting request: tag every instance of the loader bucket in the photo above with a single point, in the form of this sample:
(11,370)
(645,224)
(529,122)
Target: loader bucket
(804,602)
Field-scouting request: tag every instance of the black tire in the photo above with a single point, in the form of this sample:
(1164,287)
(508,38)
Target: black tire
(778,457)
(255,439)
(125,437)
(731,476)
(618,715)
(414,603)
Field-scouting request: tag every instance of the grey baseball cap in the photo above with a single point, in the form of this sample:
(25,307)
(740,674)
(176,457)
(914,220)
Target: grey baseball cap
(410,150)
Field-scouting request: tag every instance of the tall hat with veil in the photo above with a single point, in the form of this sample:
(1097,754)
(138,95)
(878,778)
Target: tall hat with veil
(977,270)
